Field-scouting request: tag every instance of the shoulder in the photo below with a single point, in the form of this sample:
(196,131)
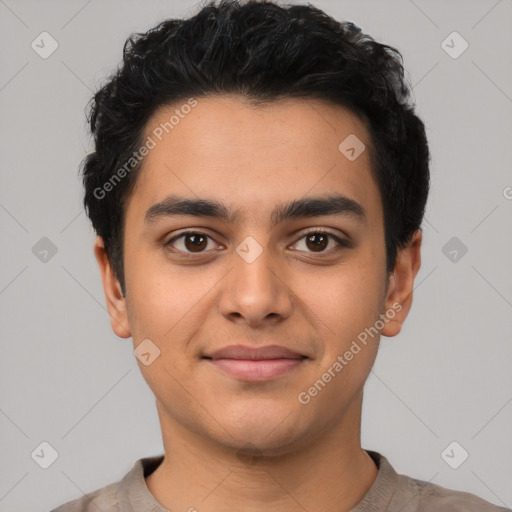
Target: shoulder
(130,493)
(393,491)
(429,497)
(104,499)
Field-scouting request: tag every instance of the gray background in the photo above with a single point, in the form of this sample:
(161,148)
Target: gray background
(68,380)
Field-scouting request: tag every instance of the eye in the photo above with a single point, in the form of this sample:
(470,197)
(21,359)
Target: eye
(317,241)
(189,242)
(195,242)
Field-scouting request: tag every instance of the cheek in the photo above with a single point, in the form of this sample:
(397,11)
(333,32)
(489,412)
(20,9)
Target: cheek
(160,296)
(348,297)
(345,306)
(167,316)
(165,309)
(345,316)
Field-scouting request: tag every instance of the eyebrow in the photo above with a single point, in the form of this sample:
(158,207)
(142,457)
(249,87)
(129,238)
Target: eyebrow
(299,208)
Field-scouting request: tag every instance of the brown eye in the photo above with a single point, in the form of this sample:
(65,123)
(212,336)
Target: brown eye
(321,242)
(195,242)
(317,241)
(188,243)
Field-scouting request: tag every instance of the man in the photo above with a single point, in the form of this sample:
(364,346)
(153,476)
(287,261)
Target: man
(258,185)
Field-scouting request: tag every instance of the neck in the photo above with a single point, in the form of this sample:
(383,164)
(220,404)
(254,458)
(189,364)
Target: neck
(331,473)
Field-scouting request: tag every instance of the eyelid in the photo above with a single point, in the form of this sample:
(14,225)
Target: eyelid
(323,231)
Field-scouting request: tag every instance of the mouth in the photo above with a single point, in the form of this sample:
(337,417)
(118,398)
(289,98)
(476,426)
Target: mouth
(255,363)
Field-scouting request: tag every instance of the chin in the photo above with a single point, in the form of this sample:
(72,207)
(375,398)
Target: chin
(268,435)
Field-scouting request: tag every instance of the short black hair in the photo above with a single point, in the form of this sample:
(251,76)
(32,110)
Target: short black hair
(265,52)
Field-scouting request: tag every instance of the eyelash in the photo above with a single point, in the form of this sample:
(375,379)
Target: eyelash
(342,243)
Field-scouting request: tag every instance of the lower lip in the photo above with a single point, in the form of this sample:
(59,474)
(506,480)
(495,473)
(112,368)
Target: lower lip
(256,370)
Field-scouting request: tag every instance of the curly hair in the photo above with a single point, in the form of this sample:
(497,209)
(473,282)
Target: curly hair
(264,52)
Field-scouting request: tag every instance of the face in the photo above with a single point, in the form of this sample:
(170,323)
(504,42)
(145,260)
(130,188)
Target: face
(259,267)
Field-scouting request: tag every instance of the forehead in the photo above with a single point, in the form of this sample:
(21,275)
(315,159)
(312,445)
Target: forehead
(251,158)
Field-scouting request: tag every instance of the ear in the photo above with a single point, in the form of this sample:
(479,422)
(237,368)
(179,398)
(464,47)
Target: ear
(401,283)
(116,303)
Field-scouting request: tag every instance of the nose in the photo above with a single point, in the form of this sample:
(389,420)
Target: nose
(256,292)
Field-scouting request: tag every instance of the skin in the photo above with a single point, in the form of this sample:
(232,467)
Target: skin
(304,457)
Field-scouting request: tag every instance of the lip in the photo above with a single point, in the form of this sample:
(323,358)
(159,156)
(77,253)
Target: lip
(255,363)
(254,353)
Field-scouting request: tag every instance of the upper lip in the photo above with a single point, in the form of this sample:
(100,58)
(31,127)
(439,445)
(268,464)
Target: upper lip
(254,353)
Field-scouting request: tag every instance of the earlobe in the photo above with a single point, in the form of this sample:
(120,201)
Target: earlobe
(116,302)
(400,285)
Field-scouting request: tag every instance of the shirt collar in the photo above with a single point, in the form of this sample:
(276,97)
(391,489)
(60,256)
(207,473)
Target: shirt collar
(381,492)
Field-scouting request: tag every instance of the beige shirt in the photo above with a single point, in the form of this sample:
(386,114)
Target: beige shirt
(389,492)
